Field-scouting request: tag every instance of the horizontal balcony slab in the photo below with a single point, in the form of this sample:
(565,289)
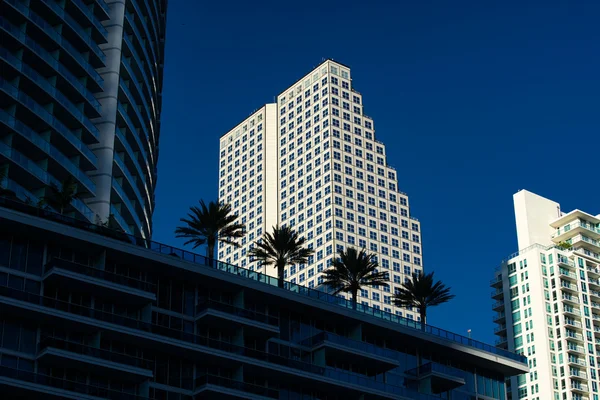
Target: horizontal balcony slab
(67,274)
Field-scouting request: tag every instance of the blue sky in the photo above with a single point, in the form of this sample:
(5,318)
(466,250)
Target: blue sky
(473,99)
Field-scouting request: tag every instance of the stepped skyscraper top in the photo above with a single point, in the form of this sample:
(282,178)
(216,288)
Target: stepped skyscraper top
(312,161)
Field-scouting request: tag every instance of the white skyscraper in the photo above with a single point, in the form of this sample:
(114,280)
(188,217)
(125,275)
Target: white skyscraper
(311,161)
(547,301)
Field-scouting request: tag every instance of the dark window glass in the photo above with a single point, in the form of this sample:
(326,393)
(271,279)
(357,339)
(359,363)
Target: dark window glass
(32,286)
(16,282)
(10,339)
(9,361)
(4,250)
(28,340)
(18,255)
(34,258)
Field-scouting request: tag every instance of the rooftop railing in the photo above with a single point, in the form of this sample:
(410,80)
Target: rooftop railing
(260,277)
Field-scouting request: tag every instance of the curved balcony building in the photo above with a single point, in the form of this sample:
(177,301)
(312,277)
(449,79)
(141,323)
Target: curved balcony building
(80,101)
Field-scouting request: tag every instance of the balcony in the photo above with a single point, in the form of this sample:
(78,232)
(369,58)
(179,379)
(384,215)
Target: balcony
(502,342)
(19,384)
(565,285)
(578,387)
(344,350)
(497,281)
(218,387)
(574,335)
(593,270)
(575,228)
(572,348)
(498,306)
(215,313)
(594,293)
(586,243)
(82,277)
(571,323)
(500,330)
(567,274)
(58,352)
(437,378)
(576,361)
(577,374)
(594,282)
(567,298)
(571,311)
(500,317)
(498,294)
(564,261)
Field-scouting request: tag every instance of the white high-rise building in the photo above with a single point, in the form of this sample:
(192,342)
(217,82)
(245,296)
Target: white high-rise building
(311,161)
(547,301)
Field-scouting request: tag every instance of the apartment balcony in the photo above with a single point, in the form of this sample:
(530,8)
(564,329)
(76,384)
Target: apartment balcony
(577,374)
(571,311)
(571,323)
(567,286)
(578,387)
(502,343)
(62,353)
(500,317)
(498,294)
(586,243)
(593,271)
(575,361)
(563,261)
(440,378)
(496,282)
(498,306)
(595,294)
(344,350)
(594,282)
(572,335)
(217,387)
(500,330)
(569,299)
(572,348)
(564,273)
(93,280)
(19,384)
(575,228)
(226,316)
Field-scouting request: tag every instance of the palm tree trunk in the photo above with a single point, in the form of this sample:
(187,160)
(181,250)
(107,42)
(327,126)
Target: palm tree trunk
(280,273)
(354,298)
(423,312)
(210,250)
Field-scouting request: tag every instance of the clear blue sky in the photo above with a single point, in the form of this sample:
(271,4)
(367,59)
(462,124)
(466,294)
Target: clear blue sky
(473,99)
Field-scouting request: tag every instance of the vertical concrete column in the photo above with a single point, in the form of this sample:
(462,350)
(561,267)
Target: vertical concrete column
(106,124)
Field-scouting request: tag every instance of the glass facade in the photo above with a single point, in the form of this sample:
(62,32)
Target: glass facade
(63,113)
(116,316)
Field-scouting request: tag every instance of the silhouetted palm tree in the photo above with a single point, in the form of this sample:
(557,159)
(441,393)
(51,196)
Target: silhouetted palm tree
(60,198)
(281,248)
(422,292)
(353,270)
(209,225)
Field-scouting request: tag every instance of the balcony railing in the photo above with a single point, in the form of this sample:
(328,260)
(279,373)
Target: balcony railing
(107,355)
(353,344)
(98,273)
(240,312)
(265,279)
(235,385)
(64,384)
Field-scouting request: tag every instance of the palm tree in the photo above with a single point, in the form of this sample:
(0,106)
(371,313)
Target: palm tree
(353,270)
(421,292)
(281,248)
(61,197)
(209,225)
